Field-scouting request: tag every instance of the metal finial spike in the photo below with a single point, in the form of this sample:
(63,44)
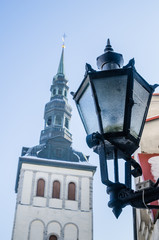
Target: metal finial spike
(108,46)
(117,211)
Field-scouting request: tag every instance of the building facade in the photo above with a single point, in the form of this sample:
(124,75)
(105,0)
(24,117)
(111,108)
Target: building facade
(147,221)
(54,182)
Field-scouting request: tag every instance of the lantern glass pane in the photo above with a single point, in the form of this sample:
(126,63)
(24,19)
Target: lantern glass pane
(111,94)
(87,111)
(140,97)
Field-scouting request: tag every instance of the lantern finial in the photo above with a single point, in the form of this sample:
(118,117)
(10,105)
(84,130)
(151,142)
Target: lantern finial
(108,46)
(110,59)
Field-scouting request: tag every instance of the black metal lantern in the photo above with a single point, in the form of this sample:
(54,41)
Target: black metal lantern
(113,105)
(114,102)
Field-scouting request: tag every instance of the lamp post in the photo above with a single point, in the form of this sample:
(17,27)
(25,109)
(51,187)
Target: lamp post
(113,105)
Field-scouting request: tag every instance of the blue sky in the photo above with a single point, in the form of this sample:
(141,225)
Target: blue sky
(30,48)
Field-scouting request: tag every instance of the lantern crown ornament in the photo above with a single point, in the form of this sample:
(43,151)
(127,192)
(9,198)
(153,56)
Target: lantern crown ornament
(113,104)
(110,59)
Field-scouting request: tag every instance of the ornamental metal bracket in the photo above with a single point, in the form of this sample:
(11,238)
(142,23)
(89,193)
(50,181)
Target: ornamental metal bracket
(121,194)
(88,69)
(131,64)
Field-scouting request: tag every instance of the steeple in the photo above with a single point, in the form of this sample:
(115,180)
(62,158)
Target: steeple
(53,186)
(57,113)
(55,138)
(60,70)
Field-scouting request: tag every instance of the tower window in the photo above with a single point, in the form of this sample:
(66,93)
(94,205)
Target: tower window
(40,188)
(71,191)
(54,91)
(49,121)
(56,189)
(66,123)
(60,91)
(58,120)
(53,237)
(65,93)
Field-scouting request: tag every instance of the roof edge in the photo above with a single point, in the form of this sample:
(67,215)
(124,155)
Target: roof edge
(152,118)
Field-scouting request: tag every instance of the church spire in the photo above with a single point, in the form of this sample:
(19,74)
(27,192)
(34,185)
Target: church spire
(60,70)
(56,138)
(57,114)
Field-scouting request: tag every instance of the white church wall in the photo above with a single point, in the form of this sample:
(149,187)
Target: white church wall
(26,188)
(85,194)
(83,220)
(57,170)
(47,209)
(55,203)
(39,201)
(70,232)
(36,230)
(71,205)
(22,224)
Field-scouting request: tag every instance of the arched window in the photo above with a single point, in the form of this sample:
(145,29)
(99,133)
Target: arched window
(65,93)
(49,121)
(53,237)
(71,228)
(36,229)
(56,189)
(58,120)
(54,91)
(71,191)
(40,188)
(66,123)
(60,91)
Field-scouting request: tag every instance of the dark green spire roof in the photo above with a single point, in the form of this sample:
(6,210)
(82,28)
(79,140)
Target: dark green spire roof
(60,70)
(56,139)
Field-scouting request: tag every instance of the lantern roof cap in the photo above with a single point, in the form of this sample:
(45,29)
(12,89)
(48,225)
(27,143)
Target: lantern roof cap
(110,57)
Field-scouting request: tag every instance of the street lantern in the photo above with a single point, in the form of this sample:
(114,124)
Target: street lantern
(114,101)
(113,105)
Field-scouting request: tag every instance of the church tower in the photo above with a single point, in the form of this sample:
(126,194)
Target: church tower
(54,182)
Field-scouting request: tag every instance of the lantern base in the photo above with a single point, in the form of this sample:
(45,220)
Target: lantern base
(124,144)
